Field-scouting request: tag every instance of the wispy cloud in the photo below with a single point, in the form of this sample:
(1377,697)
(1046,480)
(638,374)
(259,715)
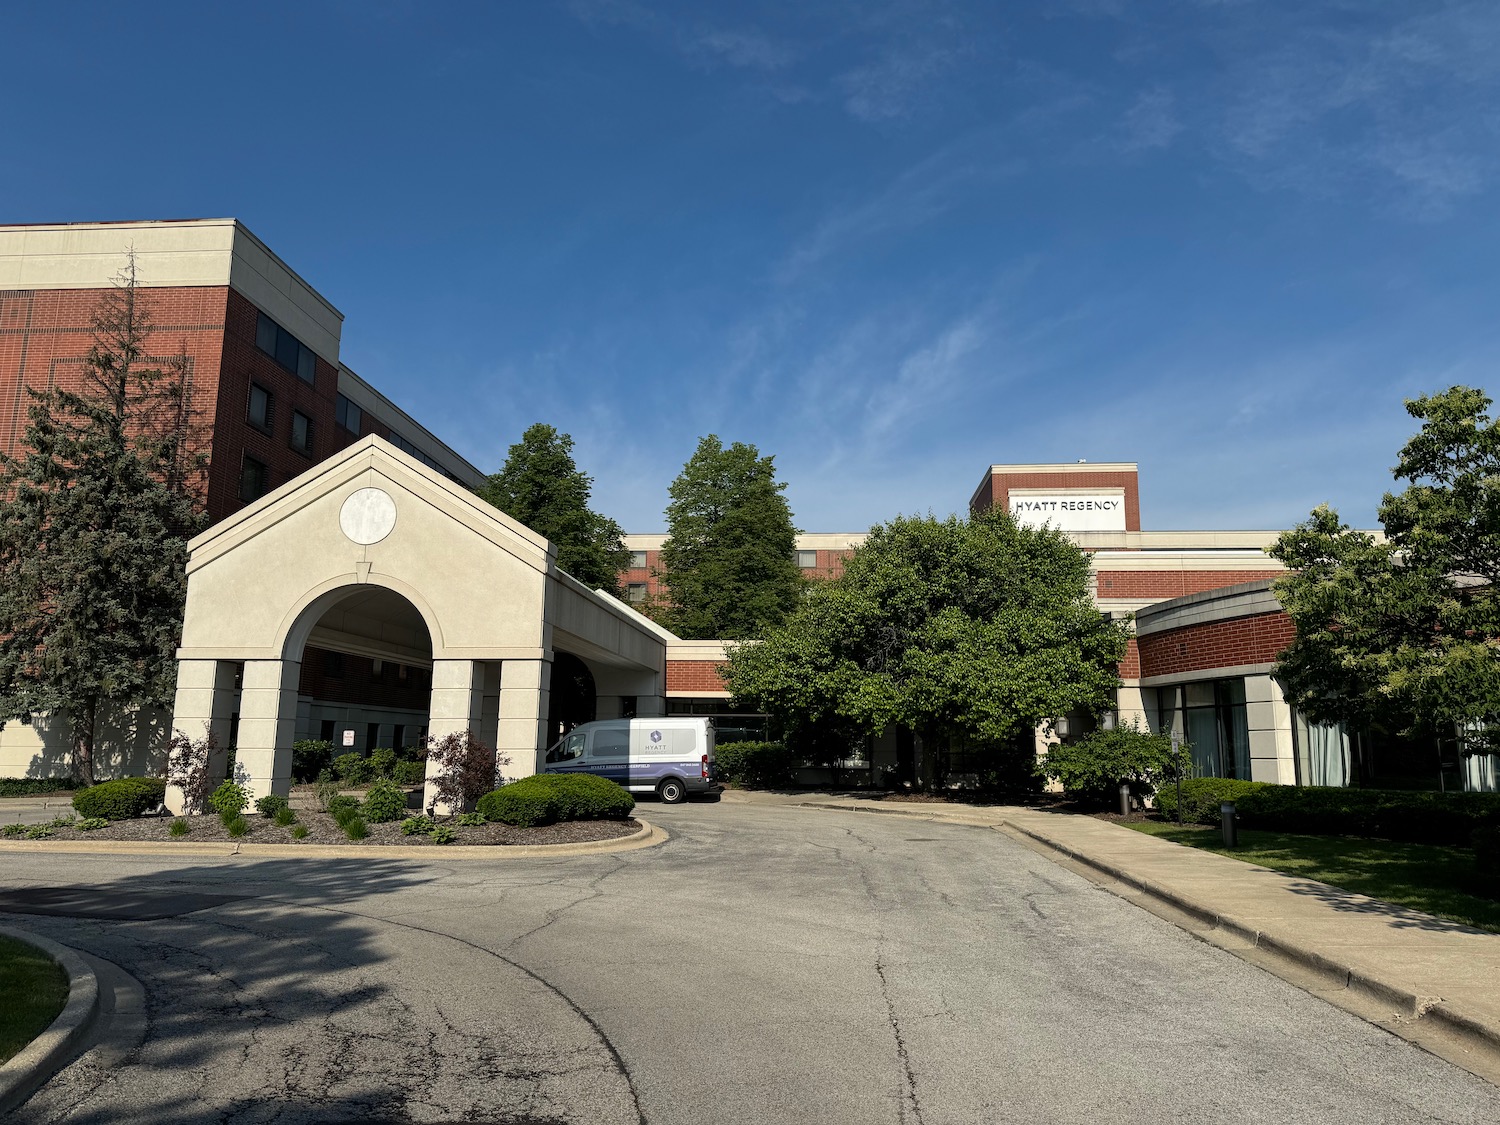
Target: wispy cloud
(894,85)
(1151,121)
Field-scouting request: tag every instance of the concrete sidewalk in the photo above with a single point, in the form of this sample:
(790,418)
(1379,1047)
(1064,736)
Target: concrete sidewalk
(1429,980)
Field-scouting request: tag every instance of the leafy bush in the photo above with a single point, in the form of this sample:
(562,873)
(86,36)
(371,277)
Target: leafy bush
(310,757)
(1201,797)
(1449,819)
(299,832)
(386,801)
(442,834)
(237,825)
(471,820)
(417,825)
(355,828)
(271,805)
(122,799)
(285,816)
(189,761)
(14,829)
(381,762)
(409,773)
(551,797)
(1093,767)
(465,769)
(28,786)
(91,824)
(756,765)
(353,768)
(39,831)
(180,827)
(229,798)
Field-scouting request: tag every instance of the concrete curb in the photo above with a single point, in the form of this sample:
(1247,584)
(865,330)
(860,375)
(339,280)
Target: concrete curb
(647,836)
(50,1051)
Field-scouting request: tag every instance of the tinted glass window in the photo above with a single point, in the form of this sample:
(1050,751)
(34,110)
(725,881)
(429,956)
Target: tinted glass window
(611,743)
(265,334)
(252,479)
(306,363)
(301,431)
(260,407)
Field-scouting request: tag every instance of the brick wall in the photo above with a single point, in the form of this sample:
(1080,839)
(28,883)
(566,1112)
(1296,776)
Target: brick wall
(1172,583)
(694,675)
(357,682)
(1002,483)
(1216,644)
(1130,667)
(830,565)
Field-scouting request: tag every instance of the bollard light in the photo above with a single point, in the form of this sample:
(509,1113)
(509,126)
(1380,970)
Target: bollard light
(1229,824)
(1124,798)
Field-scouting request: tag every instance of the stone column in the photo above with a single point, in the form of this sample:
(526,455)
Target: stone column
(268,727)
(524,689)
(457,705)
(204,703)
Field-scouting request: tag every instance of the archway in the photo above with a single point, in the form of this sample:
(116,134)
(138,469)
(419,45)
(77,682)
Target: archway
(573,698)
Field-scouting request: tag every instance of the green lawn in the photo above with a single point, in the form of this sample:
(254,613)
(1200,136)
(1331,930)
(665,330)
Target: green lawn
(33,989)
(1420,876)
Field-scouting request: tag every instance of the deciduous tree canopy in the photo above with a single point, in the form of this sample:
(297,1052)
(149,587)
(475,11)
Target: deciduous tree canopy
(1405,632)
(974,631)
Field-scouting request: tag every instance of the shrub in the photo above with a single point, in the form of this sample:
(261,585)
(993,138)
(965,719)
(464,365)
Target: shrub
(386,801)
(756,765)
(299,832)
(229,798)
(465,769)
(442,834)
(1093,767)
(14,829)
(91,824)
(1201,797)
(1448,819)
(342,804)
(417,825)
(352,769)
(237,825)
(471,820)
(551,797)
(355,828)
(180,827)
(271,805)
(188,764)
(310,757)
(28,786)
(39,831)
(381,762)
(122,799)
(409,773)
(285,816)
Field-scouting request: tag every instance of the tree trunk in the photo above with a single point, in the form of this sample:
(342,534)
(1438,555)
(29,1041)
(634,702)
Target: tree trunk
(83,746)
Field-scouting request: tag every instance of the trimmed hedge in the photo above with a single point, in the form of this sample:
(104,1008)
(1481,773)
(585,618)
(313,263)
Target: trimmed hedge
(756,765)
(26,786)
(122,799)
(548,798)
(1449,819)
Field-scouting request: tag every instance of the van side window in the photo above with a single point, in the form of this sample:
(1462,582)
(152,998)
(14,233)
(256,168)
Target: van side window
(568,749)
(613,744)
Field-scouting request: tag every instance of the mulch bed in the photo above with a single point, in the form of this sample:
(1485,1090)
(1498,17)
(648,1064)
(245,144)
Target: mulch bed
(321,829)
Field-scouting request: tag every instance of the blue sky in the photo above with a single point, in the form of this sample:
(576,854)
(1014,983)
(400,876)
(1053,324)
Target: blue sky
(889,243)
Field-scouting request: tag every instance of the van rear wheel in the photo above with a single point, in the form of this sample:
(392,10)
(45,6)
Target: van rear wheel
(672,791)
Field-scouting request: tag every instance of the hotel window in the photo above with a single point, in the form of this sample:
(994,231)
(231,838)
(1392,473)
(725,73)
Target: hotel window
(253,479)
(285,348)
(1210,716)
(637,560)
(807,560)
(301,432)
(260,407)
(346,414)
(635,593)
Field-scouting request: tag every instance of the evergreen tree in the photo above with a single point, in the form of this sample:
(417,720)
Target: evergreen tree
(542,487)
(728,564)
(94,519)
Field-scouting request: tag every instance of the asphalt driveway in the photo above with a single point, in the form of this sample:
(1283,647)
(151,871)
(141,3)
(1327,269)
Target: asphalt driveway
(765,965)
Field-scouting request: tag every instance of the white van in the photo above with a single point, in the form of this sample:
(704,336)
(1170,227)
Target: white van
(670,757)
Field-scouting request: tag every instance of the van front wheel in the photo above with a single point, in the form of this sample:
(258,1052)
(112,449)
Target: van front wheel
(672,791)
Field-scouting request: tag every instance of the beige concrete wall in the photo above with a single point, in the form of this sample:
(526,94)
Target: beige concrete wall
(133,747)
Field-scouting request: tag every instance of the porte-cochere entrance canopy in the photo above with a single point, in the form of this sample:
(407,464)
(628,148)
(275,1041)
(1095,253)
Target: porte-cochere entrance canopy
(373,553)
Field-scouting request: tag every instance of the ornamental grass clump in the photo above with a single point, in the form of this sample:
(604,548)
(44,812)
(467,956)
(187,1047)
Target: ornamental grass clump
(299,832)
(180,827)
(285,817)
(237,825)
(355,828)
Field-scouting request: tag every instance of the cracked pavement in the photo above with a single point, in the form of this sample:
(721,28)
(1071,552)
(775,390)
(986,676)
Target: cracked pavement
(765,965)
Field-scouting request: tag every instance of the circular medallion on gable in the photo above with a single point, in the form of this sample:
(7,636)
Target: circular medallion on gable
(368,516)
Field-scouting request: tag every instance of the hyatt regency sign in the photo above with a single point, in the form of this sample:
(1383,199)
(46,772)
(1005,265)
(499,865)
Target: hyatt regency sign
(1070,511)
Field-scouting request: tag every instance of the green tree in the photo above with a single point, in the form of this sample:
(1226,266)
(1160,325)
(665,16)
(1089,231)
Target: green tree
(542,487)
(95,513)
(974,631)
(1404,631)
(728,564)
